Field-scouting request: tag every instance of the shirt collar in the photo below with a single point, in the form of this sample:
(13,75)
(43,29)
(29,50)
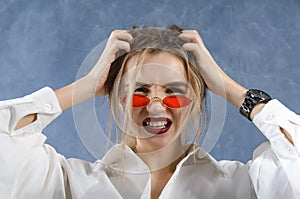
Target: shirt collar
(200,154)
(122,158)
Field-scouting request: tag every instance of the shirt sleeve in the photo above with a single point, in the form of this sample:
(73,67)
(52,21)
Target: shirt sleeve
(25,146)
(274,169)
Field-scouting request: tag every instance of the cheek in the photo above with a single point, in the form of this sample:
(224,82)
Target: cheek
(137,115)
(180,116)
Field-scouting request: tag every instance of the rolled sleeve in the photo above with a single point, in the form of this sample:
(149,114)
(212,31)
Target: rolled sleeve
(23,149)
(275,167)
(275,115)
(42,102)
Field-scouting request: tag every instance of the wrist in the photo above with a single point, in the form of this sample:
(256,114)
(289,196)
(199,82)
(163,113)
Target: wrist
(253,103)
(235,93)
(256,109)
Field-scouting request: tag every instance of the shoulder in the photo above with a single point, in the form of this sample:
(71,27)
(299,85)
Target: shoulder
(204,161)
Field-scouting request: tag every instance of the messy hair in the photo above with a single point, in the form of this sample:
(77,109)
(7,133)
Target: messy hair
(151,41)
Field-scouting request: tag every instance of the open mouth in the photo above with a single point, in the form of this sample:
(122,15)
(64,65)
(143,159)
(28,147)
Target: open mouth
(158,125)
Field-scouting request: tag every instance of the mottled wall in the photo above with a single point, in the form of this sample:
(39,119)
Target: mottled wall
(256,42)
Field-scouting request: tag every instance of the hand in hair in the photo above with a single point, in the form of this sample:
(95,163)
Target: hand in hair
(92,84)
(215,78)
(118,40)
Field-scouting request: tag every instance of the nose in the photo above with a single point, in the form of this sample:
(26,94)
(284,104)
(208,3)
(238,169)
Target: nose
(156,107)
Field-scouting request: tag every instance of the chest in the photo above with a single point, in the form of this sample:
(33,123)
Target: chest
(158,183)
(188,183)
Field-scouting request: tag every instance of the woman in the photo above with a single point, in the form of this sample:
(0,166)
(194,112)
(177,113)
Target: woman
(156,91)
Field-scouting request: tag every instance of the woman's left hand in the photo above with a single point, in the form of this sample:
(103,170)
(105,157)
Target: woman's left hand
(215,78)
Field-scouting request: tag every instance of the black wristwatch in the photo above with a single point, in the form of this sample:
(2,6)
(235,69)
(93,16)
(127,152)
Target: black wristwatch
(253,97)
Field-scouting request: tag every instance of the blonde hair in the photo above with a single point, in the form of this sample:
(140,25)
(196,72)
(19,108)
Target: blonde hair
(151,40)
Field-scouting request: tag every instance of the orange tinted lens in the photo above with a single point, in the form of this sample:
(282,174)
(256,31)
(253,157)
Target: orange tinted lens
(176,101)
(139,100)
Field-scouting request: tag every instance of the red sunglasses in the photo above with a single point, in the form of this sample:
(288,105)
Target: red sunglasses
(173,101)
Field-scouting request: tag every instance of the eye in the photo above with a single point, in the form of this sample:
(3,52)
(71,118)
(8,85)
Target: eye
(141,90)
(174,90)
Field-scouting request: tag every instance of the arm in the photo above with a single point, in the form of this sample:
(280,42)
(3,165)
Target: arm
(24,149)
(28,165)
(275,163)
(93,83)
(216,79)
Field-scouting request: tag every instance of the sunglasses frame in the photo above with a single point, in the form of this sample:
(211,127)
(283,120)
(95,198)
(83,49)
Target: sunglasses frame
(157,99)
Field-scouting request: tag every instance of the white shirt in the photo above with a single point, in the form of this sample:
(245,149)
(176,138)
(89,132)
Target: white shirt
(29,168)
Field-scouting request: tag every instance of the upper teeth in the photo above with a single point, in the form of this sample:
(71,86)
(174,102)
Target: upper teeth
(157,124)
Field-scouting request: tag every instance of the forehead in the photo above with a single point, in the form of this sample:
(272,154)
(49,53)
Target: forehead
(161,68)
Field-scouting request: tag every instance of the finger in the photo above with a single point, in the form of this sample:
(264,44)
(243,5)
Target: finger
(125,36)
(192,35)
(109,54)
(115,38)
(122,35)
(190,31)
(121,45)
(116,32)
(186,37)
(193,47)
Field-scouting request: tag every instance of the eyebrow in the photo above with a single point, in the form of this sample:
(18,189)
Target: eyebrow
(177,84)
(170,84)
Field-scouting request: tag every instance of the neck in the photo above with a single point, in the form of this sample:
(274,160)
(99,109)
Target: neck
(162,159)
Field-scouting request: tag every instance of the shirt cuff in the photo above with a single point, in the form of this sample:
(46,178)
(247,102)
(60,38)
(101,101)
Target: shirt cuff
(45,101)
(269,120)
(42,102)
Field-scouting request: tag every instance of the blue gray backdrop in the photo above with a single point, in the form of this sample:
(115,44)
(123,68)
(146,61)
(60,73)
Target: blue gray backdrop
(43,43)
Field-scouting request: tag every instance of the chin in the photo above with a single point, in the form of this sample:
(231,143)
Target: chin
(159,141)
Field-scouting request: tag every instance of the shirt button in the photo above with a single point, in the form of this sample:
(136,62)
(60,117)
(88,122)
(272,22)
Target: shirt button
(48,107)
(270,117)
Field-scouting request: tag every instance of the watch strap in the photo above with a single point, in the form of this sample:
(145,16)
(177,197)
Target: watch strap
(252,98)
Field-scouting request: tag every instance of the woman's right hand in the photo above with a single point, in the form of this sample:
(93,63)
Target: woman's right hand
(118,40)
(92,84)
